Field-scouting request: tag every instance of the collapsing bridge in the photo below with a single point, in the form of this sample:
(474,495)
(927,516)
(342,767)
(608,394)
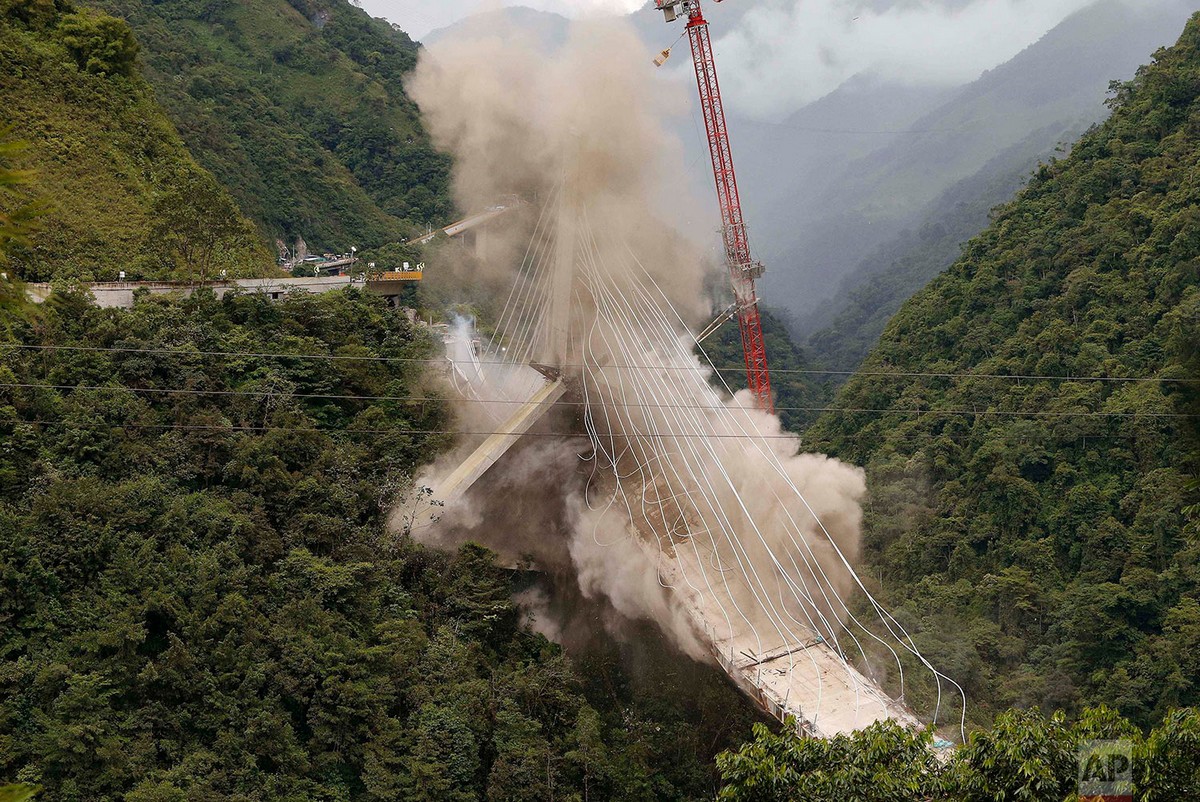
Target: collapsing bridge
(752,543)
(748,545)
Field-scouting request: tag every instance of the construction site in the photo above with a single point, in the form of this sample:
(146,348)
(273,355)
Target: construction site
(674,498)
(587,404)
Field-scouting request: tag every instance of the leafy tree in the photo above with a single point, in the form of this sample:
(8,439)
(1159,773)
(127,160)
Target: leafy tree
(198,230)
(1026,756)
(524,768)
(100,43)
(443,761)
(34,13)
(884,763)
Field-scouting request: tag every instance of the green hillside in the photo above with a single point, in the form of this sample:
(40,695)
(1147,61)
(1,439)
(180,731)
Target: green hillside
(200,599)
(120,189)
(1033,529)
(298,109)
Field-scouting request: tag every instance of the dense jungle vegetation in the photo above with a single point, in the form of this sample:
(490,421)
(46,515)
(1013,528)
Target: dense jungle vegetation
(298,108)
(1025,756)
(117,187)
(1037,532)
(199,599)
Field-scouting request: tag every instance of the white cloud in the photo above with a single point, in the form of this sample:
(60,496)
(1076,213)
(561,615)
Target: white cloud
(785,53)
(419,17)
(782,54)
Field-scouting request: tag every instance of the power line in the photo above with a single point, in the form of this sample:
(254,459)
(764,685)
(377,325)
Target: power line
(562,403)
(615,366)
(320,430)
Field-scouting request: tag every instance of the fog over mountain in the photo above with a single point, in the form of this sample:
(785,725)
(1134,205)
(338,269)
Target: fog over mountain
(817,211)
(819,44)
(856,123)
(421,17)
(815,45)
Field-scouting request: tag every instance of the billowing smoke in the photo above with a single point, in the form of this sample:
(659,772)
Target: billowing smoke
(672,502)
(517,119)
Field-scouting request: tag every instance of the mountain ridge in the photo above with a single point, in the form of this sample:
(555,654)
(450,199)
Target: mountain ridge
(299,109)
(877,196)
(1034,530)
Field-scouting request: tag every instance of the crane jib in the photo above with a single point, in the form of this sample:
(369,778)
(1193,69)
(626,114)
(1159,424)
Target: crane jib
(743,270)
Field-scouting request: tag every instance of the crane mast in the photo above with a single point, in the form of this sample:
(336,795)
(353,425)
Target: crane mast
(743,270)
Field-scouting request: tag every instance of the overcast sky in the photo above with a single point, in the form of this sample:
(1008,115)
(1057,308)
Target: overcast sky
(419,17)
(786,53)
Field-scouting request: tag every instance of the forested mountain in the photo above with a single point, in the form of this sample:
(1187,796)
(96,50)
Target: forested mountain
(298,108)
(815,226)
(841,332)
(199,599)
(1028,450)
(785,167)
(848,328)
(118,188)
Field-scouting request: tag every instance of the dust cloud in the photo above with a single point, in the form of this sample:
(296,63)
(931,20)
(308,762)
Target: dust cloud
(521,122)
(667,511)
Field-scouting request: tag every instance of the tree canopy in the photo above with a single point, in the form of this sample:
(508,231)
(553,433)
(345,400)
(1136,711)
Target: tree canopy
(1025,757)
(1029,449)
(200,599)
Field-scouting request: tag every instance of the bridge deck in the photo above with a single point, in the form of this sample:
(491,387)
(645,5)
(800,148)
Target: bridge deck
(497,445)
(791,673)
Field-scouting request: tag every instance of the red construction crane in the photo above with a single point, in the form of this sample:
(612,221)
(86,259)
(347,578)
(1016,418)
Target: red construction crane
(743,270)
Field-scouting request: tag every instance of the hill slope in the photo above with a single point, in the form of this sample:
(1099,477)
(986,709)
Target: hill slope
(1055,88)
(849,327)
(123,192)
(298,108)
(200,600)
(1033,529)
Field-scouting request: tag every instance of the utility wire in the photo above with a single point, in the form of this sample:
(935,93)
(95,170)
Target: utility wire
(565,403)
(689,368)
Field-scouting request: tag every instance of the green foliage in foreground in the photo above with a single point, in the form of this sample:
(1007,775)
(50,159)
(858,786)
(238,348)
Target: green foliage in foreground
(298,107)
(199,599)
(118,187)
(1025,757)
(1034,533)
